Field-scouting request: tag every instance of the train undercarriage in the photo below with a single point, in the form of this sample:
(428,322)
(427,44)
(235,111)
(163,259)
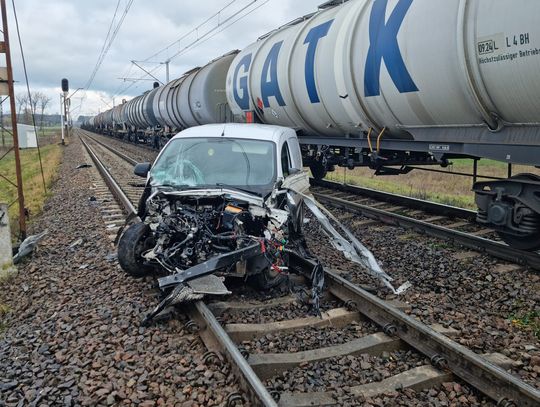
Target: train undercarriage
(509,206)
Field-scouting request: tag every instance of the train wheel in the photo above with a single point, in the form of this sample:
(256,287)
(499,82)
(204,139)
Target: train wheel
(528,243)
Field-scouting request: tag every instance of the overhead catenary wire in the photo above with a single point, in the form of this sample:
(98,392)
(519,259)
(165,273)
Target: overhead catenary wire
(222,26)
(202,41)
(195,30)
(197,41)
(110,27)
(107,44)
(29,95)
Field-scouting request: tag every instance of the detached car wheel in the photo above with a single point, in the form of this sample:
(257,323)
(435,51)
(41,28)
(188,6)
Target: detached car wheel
(135,241)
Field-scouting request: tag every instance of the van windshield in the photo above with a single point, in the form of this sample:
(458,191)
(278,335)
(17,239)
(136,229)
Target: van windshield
(207,162)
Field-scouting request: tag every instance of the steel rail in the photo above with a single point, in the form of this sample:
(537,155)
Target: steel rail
(249,381)
(413,203)
(109,180)
(495,249)
(113,150)
(488,378)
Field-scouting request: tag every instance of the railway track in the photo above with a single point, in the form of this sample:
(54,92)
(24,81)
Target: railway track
(450,223)
(437,358)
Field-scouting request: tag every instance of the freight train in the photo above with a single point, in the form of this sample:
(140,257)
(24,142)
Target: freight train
(386,84)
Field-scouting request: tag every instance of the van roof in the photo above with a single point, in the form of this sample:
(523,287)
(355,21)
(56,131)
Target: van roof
(238,130)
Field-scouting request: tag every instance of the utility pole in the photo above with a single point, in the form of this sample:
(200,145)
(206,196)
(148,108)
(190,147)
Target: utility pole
(4,48)
(2,124)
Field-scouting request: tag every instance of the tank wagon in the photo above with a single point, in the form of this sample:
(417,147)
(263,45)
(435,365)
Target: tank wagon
(198,97)
(384,84)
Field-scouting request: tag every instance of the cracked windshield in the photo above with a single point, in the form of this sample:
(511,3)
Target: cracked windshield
(198,162)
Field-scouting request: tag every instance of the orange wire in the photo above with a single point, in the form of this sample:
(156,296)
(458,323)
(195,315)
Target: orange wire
(379,138)
(369,139)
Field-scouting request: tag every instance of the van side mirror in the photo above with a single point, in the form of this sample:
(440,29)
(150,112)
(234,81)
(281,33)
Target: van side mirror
(142,169)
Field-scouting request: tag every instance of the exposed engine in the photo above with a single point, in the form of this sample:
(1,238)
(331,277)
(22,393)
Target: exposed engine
(188,231)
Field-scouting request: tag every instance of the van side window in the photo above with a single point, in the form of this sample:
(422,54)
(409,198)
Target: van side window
(285,161)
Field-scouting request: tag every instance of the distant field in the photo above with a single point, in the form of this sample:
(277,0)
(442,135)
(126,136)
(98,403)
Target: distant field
(50,131)
(32,181)
(448,189)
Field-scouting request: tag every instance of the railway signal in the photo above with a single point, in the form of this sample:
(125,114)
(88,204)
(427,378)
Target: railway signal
(65,91)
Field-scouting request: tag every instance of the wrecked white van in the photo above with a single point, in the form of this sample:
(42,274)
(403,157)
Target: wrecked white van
(227,200)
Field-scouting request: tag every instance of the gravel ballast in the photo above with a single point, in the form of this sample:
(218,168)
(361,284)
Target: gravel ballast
(483,298)
(74,335)
(73,332)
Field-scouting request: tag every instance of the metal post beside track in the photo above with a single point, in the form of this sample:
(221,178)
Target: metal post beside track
(4,47)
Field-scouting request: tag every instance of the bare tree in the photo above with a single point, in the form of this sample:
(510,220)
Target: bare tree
(44,101)
(35,98)
(22,104)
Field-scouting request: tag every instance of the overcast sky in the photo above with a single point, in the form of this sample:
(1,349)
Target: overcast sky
(63,38)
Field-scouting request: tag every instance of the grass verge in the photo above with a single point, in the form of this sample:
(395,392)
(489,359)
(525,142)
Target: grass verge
(443,188)
(34,193)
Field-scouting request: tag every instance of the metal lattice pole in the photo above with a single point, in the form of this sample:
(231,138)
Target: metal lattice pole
(4,47)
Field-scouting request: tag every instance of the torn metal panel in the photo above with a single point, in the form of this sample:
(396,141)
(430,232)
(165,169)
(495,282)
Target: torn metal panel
(352,249)
(298,182)
(209,285)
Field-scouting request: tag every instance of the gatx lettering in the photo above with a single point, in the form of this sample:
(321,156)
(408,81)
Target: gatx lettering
(384,46)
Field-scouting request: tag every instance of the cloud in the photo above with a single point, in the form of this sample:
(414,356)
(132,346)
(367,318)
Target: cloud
(63,38)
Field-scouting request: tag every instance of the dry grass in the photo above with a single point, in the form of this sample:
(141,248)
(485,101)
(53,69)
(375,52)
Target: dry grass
(448,189)
(35,196)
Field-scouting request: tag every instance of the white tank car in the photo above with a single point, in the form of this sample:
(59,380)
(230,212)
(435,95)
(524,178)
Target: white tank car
(432,79)
(426,69)
(197,98)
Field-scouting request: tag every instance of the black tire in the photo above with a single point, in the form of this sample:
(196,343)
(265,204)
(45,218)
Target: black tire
(528,243)
(266,280)
(318,170)
(134,241)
